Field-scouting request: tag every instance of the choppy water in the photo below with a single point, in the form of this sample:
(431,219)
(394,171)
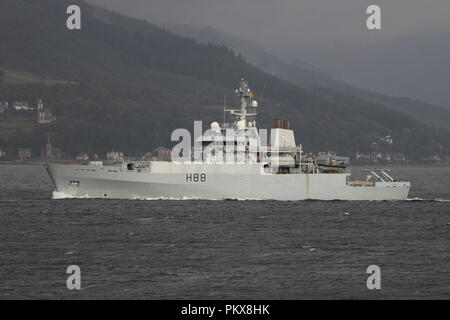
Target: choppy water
(223,249)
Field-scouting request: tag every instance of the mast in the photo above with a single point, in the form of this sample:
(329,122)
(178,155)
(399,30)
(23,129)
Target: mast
(244,93)
(246,96)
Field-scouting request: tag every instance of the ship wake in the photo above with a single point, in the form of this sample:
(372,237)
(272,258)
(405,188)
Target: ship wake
(56,195)
(430,200)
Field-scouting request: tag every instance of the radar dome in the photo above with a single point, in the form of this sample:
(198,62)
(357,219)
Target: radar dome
(215,126)
(241,124)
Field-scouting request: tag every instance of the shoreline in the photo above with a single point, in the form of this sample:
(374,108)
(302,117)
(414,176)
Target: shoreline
(39,162)
(364,165)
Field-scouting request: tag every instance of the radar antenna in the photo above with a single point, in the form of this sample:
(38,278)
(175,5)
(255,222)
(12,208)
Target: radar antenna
(246,96)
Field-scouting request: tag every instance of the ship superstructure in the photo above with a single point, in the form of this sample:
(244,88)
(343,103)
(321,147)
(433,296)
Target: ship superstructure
(232,160)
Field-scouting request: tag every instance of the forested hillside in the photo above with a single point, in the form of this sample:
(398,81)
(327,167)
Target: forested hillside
(124,84)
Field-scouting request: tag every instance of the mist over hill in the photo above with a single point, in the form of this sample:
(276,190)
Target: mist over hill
(306,75)
(124,84)
(408,57)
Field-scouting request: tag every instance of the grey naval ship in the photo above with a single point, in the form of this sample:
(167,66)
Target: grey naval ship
(240,164)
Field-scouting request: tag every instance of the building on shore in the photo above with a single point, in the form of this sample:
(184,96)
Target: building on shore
(44,115)
(49,148)
(49,152)
(387,139)
(4,105)
(57,154)
(162,154)
(331,156)
(82,157)
(114,155)
(22,106)
(380,157)
(24,153)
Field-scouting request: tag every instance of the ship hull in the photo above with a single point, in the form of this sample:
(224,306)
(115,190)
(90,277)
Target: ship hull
(165,180)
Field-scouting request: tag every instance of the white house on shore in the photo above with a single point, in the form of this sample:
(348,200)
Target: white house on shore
(22,106)
(4,105)
(44,115)
(113,155)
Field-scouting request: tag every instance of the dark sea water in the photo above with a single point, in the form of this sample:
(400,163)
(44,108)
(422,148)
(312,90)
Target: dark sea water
(223,249)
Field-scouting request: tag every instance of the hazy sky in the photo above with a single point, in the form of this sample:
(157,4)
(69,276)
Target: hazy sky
(410,56)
